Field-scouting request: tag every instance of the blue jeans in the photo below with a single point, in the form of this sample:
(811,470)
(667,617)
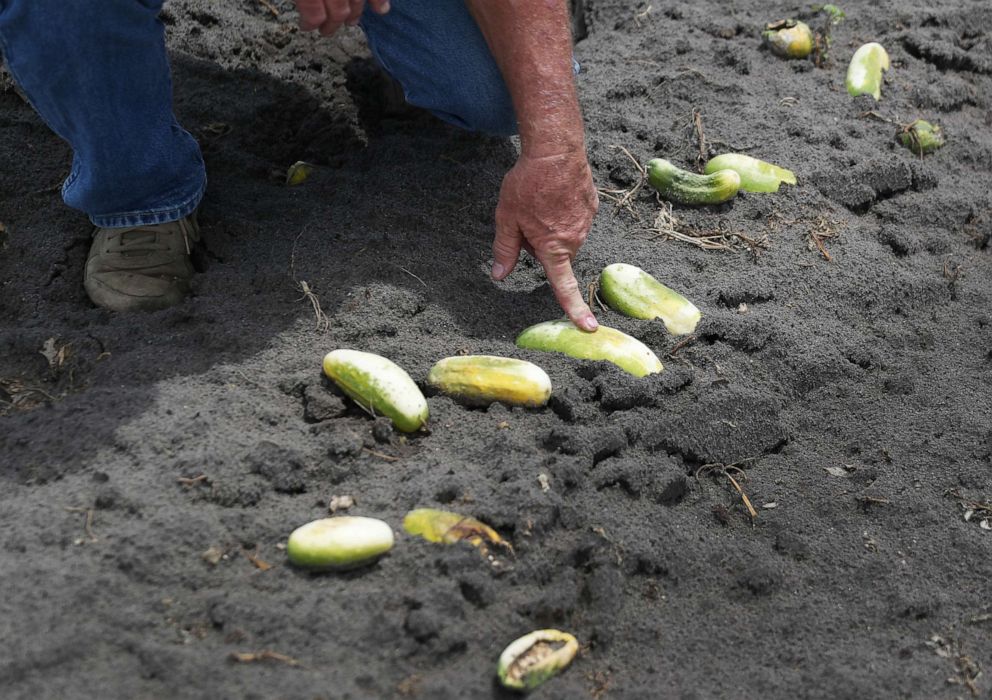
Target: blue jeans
(97,72)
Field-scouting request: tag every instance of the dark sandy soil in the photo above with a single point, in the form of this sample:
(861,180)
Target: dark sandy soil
(864,581)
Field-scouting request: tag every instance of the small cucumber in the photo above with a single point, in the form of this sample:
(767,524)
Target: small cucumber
(756,175)
(379,386)
(689,188)
(340,543)
(482,379)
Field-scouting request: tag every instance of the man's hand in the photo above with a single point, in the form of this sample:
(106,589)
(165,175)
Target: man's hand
(328,15)
(546,206)
(548,200)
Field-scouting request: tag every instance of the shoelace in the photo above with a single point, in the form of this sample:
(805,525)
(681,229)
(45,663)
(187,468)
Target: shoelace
(143,240)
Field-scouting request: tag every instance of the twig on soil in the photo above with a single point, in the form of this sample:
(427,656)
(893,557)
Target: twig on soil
(697,120)
(875,115)
(188,481)
(622,199)
(681,344)
(88,524)
(725,470)
(322,322)
(788,101)
(247,657)
(413,276)
(593,293)
(270,7)
(381,455)
(665,228)
(642,15)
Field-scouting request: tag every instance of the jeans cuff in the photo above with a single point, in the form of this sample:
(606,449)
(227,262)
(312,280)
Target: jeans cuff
(153,216)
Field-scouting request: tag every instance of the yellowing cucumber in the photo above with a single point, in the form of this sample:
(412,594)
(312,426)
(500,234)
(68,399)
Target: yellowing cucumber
(379,386)
(633,292)
(341,543)
(629,354)
(756,175)
(689,188)
(483,379)
(789,38)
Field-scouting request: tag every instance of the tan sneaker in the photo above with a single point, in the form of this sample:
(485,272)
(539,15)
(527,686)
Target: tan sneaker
(143,268)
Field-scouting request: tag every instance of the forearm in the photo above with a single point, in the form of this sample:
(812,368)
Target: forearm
(532,44)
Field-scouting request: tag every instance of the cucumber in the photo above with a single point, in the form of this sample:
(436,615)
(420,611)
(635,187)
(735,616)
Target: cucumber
(864,75)
(633,292)
(629,354)
(756,175)
(480,380)
(379,386)
(689,188)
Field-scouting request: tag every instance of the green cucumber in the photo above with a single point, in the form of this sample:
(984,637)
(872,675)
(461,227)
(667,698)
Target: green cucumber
(689,188)
(756,175)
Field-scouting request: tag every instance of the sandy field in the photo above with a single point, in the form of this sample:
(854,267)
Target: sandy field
(152,466)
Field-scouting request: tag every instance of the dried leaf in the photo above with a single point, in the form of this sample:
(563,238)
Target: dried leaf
(298,173)
(836,471)
(444,526)
(258,562)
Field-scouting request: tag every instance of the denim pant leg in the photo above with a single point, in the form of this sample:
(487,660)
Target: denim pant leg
(98,74)
(437,53)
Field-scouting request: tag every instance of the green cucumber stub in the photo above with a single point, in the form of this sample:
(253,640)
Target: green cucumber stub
(379,386)
(629,354)
(756,175)
(633,292)
(864,75)
(339,543)
(921,137)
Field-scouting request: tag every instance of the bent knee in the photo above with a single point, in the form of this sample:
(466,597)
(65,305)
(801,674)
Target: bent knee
(478,107)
